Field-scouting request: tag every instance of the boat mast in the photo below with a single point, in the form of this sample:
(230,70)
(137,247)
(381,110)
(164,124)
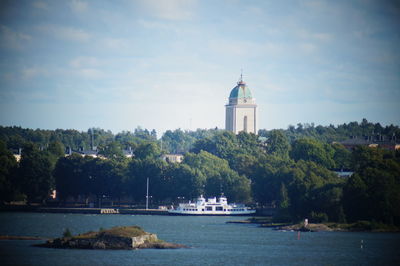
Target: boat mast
(147,195)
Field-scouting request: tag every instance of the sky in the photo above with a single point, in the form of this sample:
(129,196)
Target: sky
(168,64)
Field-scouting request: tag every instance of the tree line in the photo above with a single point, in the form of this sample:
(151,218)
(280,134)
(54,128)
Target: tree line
(294,177)
(181,141)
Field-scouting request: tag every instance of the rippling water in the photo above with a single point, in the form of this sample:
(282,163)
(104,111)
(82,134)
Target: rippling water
(212,242)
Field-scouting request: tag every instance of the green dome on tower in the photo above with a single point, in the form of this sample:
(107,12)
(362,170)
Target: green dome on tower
(240,91)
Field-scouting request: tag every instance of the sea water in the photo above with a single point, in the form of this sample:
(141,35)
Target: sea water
(212,241)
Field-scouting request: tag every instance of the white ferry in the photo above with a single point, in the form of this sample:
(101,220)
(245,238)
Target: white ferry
(211,207)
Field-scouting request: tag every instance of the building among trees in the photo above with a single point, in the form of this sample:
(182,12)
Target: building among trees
(241,110)
(376,141)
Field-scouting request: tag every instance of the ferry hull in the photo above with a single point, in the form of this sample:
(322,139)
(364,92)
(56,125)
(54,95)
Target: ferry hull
(181,213)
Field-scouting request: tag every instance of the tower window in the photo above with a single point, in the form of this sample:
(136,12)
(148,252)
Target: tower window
(245,123)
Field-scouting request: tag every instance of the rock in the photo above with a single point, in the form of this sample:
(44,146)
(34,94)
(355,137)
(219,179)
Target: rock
(130,237)
(308,228)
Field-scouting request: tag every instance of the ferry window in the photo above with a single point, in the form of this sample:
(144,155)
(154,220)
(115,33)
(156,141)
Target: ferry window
(218,208)
(202,209)
(209,208)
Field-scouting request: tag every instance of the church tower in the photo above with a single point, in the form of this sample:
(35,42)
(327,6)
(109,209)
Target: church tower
(241,110)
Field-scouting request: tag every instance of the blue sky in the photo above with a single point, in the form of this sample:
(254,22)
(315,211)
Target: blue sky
(168,64)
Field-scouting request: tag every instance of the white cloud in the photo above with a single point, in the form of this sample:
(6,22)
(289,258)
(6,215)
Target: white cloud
(253,11)
(66,33)
(73,34)
(307,47)
(11,39)
(323,37)
(40,5)
(31,72)
(78,6)
(311,36)
(244,48)
(90,73)
(116,43)
(154,24)
(170,9)
(84,61)
(86,67)
(316,5)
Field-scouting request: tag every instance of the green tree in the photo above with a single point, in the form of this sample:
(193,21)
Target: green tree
(244,164)
(57,149)
(363,157)
(147,150)
(219,177)
(177,141)
(373,191)
(283,197)
(304,179)
(313,150)
(185,181)
(278,144)
(104,179)
(327,201)
(342,156)
(248,143)
(70,178)
(223,144)
(136,178)
(8,166)
(144,134)
(112,151)
(35,174)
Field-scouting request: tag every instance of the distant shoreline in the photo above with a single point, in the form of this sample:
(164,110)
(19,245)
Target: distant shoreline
(26,208)
(88,210)
(7,237)
(360,226)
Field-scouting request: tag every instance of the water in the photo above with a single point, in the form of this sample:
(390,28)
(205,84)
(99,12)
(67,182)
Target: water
(212,242)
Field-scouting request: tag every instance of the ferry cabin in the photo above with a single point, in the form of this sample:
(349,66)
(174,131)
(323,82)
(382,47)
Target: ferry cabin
(211,207)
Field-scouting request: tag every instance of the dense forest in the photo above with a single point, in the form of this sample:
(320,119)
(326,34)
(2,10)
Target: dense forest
(179,141)
(290,170)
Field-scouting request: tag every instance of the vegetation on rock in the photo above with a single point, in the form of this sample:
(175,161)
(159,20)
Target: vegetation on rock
(122,237)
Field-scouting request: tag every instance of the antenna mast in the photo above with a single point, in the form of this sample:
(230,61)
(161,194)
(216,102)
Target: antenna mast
(241,76)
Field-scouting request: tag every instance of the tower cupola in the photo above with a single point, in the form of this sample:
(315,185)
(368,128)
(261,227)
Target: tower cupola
(241,109)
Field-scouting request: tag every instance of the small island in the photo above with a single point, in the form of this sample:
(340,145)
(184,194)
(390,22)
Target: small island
(121,237)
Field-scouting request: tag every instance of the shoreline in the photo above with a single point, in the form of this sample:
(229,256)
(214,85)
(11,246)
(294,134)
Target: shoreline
(105,210)
(110,210)
(359,226)
(7,237)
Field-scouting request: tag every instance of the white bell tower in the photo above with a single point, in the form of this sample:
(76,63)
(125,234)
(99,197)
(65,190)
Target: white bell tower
(241,111)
